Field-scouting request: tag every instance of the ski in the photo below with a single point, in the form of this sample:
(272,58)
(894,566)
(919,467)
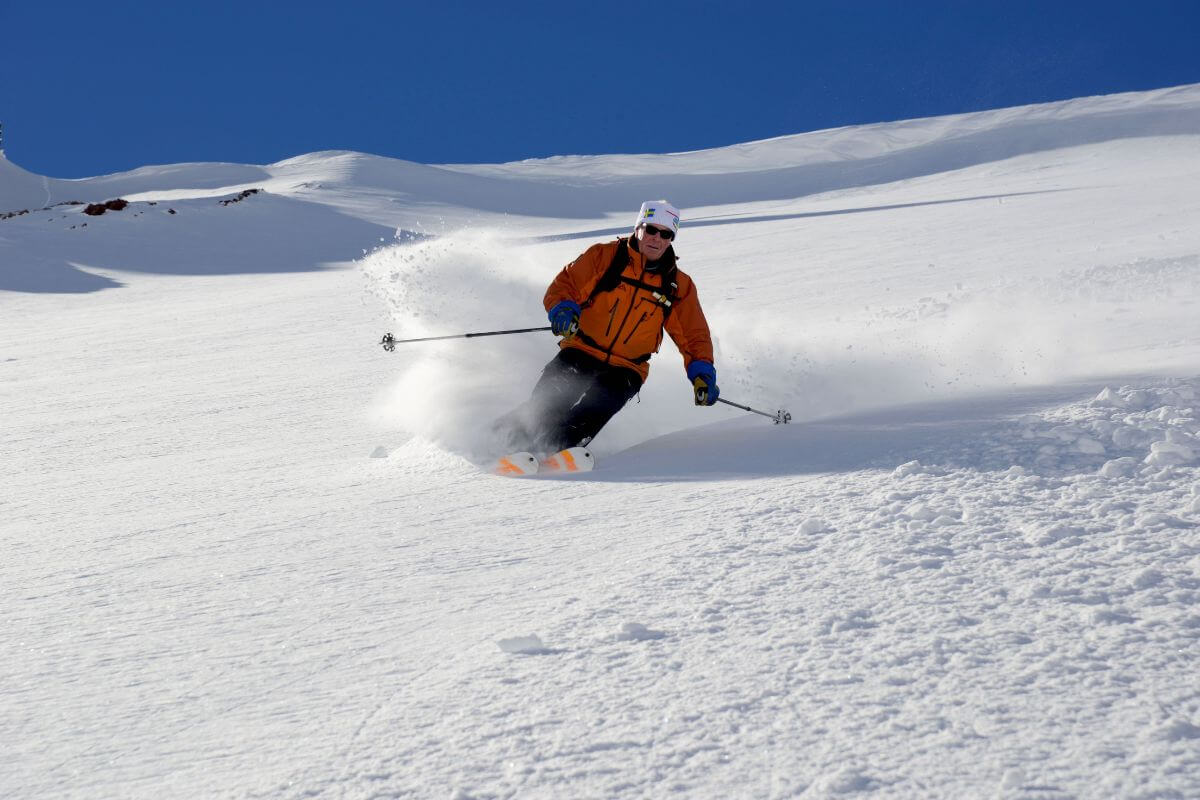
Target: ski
(524,464)
(516,464)
(573,459)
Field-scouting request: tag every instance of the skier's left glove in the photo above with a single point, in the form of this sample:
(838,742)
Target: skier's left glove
(564,318)
(703,376)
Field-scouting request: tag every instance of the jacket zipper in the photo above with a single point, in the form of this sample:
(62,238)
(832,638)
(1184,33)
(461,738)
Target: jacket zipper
(611,314)
(632,302)
(633,330)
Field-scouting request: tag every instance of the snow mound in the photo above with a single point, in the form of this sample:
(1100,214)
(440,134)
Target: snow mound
(531,645)
(637,632)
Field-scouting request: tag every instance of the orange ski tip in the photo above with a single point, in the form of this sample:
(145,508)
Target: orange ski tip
(572,459)
(517,464)
(506,467)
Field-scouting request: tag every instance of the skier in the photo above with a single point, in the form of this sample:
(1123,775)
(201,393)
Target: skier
(610,306)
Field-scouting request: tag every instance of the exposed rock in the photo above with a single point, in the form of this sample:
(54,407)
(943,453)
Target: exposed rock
(240,196)
(96,209)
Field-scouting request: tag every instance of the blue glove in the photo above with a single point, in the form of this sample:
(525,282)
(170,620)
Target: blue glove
(564,318)
(703,376)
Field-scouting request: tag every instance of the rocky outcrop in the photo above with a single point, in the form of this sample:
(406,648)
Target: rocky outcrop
(240,196)
(96,209)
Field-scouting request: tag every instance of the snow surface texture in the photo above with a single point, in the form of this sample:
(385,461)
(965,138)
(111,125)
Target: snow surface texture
(249,553)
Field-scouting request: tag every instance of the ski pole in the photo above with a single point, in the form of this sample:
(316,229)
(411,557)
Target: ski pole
(780,417)
(389,342)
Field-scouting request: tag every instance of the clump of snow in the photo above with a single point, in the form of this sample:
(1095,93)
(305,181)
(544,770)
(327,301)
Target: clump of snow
(1108,399)
(813,525)
(1170,453)
(1053,534)
(908,468)
(1012,779)
(1147,578)
(524,645)
(1126,437)
(1158,520)
(920,510)
(637,632)
(379,452)
(1174,730)
(861,619)
(1138,399)
(1122,467)
(845,781)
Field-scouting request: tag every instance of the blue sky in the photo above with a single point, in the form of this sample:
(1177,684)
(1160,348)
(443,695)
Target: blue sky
(90,88)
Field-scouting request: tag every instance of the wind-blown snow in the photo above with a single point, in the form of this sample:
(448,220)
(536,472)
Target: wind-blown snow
(249,553)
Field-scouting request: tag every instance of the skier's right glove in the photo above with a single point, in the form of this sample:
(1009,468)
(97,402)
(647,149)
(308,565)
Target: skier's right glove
(703,376)
(564,318)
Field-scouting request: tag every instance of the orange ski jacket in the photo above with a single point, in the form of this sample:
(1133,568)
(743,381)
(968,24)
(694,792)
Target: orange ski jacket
(624,326)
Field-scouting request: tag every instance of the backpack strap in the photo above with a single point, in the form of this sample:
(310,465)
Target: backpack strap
(614,276)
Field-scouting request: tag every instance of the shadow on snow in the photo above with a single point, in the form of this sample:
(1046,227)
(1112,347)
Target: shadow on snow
(979,432)
(731,219)
(264,234)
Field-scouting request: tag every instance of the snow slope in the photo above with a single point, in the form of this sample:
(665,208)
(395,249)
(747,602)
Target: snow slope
(970,568)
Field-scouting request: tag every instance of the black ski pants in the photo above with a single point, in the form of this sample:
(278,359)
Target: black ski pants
(575,397)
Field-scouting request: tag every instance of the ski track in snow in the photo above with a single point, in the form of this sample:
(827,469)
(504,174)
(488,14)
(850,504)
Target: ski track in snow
(248,554)
(953,605)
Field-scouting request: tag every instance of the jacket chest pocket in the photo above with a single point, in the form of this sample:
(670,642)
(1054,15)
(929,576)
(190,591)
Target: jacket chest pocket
(619,309)
(646,313)
(637,323)
(649,306)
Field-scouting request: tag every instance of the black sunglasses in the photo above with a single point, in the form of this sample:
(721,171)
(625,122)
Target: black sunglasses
(650,230)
